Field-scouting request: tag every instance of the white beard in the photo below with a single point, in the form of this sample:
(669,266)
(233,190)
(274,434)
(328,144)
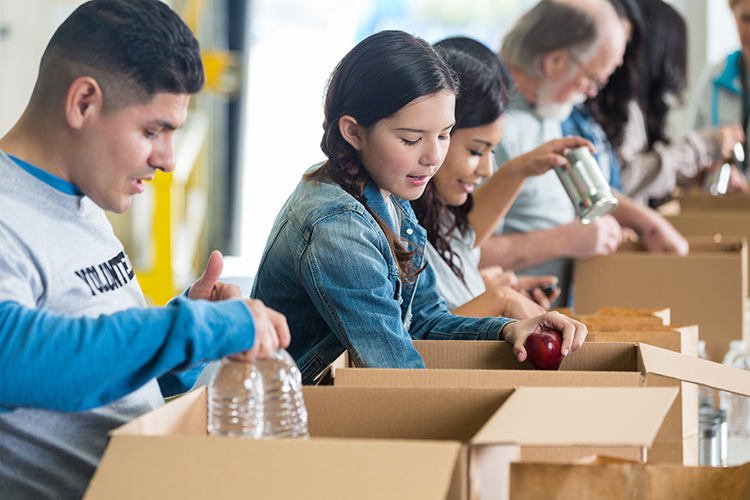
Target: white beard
(556,111)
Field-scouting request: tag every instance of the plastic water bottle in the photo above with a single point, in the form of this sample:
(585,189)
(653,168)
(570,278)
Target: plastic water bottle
(235,404)
(705,394)
(737,407)
(284,412)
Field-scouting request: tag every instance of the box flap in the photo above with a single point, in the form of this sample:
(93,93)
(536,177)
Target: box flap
(191,467)
(663,313)
(498,355)
(187,414)
(698,244)
(400,413)
(583,416)
(477,379)
(689,369)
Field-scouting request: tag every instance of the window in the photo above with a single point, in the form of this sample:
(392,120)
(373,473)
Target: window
(294,47)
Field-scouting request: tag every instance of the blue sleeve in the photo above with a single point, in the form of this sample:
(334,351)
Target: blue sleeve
(178,382)
(71,364)
(615,172)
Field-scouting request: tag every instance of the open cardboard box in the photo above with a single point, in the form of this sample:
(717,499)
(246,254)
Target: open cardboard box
(678,338)
(700,201)
(611,480)
(616,323)
(708,287)
(610,319)
(682,339)
(665,314)
(727,223)
(464,364)
(417,443)
(167,454)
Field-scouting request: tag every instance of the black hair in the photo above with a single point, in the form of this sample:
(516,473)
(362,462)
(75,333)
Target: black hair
(610,107)
(379,76)
(482,100)
(663,66)
(132,48)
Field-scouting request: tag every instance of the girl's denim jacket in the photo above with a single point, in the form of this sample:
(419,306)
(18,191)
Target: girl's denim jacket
(328,268)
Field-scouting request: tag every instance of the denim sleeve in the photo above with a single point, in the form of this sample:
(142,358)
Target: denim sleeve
(346,274)
(431,318)
(72,364)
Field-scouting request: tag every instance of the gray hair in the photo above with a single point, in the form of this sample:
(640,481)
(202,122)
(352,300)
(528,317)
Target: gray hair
(549,26)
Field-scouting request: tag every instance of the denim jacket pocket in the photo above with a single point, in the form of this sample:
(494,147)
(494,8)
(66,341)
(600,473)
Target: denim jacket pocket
(395,280)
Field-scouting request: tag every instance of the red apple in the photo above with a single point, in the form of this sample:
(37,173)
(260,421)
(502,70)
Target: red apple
(543,349)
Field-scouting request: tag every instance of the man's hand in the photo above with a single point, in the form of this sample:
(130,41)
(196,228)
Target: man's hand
(271,332)
(602,237)
(728,136)
(549,155)
(663,237)
(208,286)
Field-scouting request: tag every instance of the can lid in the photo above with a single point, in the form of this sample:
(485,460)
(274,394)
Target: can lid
(604,205)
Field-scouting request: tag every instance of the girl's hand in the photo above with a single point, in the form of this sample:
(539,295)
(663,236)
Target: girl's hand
(573,332)
(495,277)
(531,287)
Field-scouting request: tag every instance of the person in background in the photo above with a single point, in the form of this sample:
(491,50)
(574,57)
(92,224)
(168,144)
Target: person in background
(602,118)
(652,164)
(655,230)
(553,72)
(456,220)
(721,99)
(80,353)
(345,259)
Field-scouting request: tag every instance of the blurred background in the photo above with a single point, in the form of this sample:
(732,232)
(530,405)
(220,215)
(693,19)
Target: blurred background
(256,127)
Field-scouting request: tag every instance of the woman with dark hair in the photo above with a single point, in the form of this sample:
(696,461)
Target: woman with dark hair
(652,165)
(611,106)
(457,218)
(345,260)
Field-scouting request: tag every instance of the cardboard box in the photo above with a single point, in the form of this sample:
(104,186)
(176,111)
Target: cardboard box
(678,338)
(665,314)
(700,201)
(682,339)
(616,323)
(167,454)
(622,481)
(462,364)
(707,287)
(389,443)
(611,319)
(725,223)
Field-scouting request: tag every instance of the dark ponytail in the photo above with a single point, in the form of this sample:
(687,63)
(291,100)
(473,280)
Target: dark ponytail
(484,81)
(382,74)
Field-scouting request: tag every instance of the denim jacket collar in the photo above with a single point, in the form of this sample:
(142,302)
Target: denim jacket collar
(412,234)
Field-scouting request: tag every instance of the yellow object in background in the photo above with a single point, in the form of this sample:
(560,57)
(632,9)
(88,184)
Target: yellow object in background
(223,71)
(157,283)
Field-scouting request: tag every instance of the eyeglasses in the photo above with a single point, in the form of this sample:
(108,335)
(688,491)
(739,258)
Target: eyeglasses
(596,82)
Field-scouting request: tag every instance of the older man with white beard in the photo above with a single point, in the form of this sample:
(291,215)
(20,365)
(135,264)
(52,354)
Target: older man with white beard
(559,53)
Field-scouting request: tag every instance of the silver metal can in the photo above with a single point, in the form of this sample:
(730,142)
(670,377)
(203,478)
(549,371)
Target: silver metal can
(716,181)
(712,437)
(586,186)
